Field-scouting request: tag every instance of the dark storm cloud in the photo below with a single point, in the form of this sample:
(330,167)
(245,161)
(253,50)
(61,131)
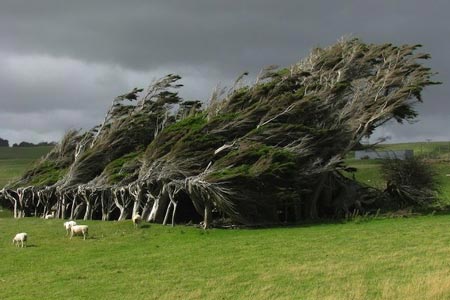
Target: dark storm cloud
(75,56)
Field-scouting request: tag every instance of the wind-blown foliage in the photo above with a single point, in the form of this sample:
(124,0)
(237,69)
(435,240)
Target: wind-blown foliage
(263,153)
(410,182)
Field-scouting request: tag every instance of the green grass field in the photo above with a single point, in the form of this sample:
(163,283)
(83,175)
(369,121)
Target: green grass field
(380,259)
(14,161)
(373,258)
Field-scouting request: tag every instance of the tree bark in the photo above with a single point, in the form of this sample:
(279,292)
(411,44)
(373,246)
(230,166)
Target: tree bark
(207,216)
(166,217)
(173,213)
(87,213)
(72,209)
(152,215)
(63,206)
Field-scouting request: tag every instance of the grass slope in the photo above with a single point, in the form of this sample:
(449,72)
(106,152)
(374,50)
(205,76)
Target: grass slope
(14,161)
(381,259)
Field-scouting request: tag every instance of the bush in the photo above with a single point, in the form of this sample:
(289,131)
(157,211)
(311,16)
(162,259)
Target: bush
(409,182)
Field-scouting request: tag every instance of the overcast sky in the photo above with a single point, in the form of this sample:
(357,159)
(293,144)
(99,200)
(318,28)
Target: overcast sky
(62,62)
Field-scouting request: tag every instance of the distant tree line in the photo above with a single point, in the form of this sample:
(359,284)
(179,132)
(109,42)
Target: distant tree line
(5,143)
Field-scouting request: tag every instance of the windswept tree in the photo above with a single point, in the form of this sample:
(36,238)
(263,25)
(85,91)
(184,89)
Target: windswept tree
(264,153)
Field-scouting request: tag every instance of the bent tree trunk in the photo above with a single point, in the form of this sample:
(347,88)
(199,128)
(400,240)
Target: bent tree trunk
(78,211)
(207,216)
(107,204)
(123,202)
(152,215)
(72,208)
(116,196)
(172,191)
(62,214)
(157,204)
(14,201)
(146,209)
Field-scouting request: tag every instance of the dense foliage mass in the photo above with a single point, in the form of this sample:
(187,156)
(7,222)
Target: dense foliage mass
(410,182)
(268,152)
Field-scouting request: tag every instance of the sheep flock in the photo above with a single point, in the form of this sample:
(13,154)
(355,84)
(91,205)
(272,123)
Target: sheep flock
(71,227)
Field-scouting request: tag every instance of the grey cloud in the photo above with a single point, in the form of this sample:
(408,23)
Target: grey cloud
(35,82)
(16,136)
(431,128)
(77,55)
(71,93)
(231,34)
(43,125)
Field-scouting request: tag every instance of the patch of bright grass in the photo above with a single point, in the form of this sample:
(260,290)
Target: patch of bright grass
(379,259)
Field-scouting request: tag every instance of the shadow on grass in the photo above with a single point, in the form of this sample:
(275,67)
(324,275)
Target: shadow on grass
(307,223)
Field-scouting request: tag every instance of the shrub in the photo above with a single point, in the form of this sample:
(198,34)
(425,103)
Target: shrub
(409,182)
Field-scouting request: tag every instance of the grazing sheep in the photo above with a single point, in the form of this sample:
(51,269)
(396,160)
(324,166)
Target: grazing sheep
(50,216)
(137,219)
(68,225)
(20,238)
(79,229)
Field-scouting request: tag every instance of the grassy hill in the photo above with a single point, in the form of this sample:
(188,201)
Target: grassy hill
(381,259)
(14,161)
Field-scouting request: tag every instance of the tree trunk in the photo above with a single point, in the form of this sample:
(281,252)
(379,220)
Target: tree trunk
(72,209)
(88,210)
(123,202)
(15,209)
(122,215)
(37,207)
(78,211)
(107,205)
(21,195)
(166,217)
(63,207)
(136,191)
(207,216)
(135,208)
(145,210)
(116,196)
(173,213)
(152,215)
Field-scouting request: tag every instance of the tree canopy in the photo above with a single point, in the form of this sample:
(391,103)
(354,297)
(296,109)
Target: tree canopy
(263,153)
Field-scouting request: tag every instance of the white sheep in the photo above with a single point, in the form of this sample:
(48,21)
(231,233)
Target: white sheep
(79,229)
(137,219)
(20,238)
(68,225)
(50,216)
